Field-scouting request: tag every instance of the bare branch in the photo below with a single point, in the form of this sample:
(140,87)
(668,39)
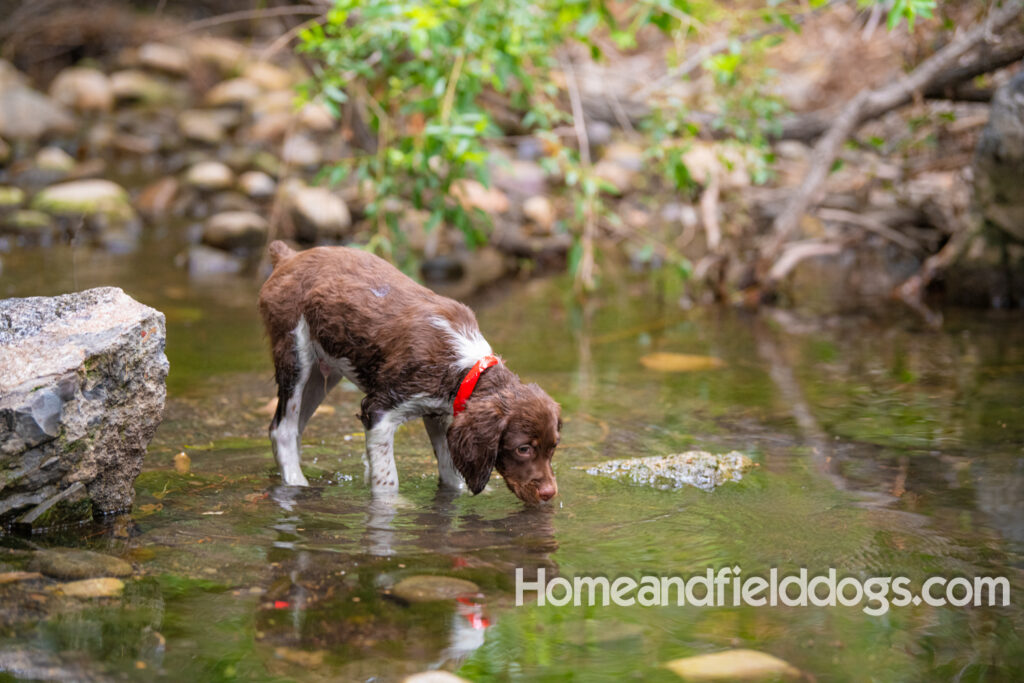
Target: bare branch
(869,103)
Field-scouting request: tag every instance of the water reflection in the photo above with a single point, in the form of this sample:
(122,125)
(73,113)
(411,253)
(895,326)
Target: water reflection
(329,588)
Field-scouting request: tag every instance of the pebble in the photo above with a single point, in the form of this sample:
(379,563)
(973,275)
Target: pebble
(540,210)
(28,115)
(235,230)
(202,126)
(257,184)
(472,194)
(210,175)
(162,57)
(132,84)
(317,212)
(54,159)
(84,89)
(235,91)
(268,76)
(300,150)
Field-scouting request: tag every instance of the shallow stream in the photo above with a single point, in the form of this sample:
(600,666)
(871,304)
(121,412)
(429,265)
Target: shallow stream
(881,449)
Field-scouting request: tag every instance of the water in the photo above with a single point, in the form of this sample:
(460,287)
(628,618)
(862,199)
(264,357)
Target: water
(882,448)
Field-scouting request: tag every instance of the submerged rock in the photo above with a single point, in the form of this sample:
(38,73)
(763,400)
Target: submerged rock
(434,677)
(68,564)
(105,587)
(428,588)
(704,470)
(733,665)
(81,394)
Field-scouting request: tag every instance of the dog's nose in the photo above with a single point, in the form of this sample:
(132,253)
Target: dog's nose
(547,490)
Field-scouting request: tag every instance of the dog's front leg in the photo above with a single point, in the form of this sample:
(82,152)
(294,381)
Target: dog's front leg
(437,430)
(380,455)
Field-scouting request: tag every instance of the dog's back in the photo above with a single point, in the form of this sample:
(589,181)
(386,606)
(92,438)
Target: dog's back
(357,306)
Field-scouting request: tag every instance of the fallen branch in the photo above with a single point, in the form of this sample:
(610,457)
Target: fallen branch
(798,251)
(867,104)
(951,84)
(870,224)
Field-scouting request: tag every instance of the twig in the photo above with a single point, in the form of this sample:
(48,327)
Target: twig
(287,36)
(864,104)
(709,212)
(585,269)
(245,15)
(449,92)
(798,251)
(869,224)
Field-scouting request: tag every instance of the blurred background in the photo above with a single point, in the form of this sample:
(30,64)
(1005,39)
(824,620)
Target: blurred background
(831,156)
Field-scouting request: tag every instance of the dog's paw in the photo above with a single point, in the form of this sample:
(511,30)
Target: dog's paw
(389,499)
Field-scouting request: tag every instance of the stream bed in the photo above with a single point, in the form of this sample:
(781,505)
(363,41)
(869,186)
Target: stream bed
(880,448)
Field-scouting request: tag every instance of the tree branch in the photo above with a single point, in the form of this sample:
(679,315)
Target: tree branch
(867,104)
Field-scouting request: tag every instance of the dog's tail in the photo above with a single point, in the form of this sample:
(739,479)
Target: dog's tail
(279,251)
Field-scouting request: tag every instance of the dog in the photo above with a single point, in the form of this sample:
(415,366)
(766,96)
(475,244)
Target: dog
(333,312)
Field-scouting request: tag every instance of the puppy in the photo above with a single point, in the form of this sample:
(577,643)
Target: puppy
(334,312)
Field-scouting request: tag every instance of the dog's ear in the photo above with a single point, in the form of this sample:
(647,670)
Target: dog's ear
(474,439)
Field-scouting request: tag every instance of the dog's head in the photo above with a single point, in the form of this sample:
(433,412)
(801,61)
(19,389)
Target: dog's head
(515,430)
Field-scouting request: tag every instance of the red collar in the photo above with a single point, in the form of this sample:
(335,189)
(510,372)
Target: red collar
(469,383)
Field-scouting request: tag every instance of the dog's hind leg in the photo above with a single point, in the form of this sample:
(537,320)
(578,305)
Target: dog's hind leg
(321,380)
(294,366)
(437,430)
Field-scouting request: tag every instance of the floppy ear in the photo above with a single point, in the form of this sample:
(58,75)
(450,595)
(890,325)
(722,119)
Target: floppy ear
(474,439)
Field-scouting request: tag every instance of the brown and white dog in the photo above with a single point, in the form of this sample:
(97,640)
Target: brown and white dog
(334,312)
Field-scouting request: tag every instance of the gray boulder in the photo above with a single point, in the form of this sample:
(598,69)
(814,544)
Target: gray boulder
(82,387)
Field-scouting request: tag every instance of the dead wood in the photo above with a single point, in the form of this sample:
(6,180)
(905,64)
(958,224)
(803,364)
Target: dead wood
(869,104)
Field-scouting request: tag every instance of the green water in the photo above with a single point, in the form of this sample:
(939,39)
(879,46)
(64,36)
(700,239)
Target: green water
(883,449)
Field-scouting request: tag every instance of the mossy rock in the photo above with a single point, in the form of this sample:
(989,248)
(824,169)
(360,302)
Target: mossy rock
(11,197)
(78,564)
(86,197)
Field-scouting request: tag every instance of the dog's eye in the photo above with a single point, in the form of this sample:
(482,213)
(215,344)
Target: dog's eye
(525,449)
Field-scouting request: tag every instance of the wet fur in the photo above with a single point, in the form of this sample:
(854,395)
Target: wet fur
(334,311)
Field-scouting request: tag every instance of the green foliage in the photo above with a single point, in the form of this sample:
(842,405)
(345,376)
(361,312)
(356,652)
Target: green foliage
(416,71)
(423,76)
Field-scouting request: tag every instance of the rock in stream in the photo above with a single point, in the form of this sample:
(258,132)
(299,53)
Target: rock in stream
(704,470)
(82,387)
